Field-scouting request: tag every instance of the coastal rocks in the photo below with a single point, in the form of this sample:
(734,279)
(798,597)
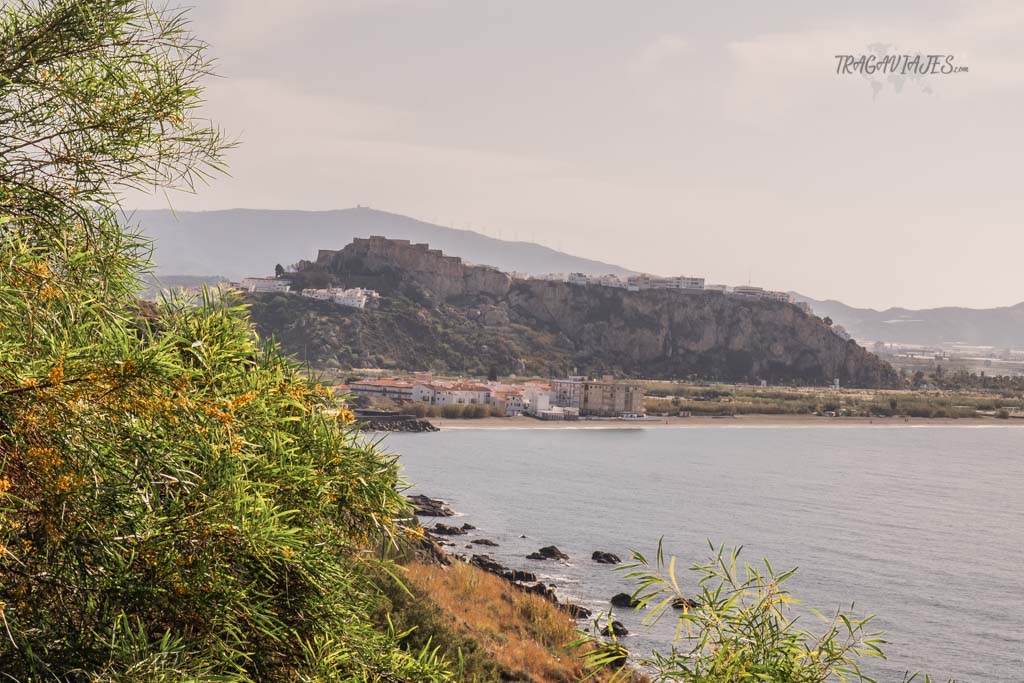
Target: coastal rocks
(616,629)
(624,600)
(446,530)
(576,612)
(520,576)
(381,421)
(429,551)
(524,581)
(615,655)
(429,507)
(411,426)
(548,552)
(605,558)
(490,565)
(541,590)
(484,541)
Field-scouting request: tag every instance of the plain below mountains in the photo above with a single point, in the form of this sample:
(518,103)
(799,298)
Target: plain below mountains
(997,327)
(240,243)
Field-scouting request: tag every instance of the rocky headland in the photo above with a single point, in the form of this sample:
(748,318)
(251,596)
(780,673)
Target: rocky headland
(438,312)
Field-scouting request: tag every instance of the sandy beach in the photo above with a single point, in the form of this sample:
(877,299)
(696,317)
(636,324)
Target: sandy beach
(737,421)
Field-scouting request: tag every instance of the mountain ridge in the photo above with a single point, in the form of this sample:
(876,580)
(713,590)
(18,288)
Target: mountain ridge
(237,243)
(1002,326)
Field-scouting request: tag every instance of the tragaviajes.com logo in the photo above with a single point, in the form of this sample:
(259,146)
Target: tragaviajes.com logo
(884,66)
(904,65)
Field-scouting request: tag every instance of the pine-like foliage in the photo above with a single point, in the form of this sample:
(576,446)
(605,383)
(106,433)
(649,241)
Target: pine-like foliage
(177,501)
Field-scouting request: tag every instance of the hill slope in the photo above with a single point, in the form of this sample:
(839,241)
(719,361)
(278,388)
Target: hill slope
(1000,327)
(242,242)
(439,313)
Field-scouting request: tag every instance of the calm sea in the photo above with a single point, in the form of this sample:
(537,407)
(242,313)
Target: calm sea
(923,527)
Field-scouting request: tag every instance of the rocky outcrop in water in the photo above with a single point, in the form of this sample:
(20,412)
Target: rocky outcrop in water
(548,552)
(624,600)
(424,506)
(605,558)
(616,629)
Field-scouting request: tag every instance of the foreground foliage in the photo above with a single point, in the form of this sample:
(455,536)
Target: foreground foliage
(742,625)
(174,503)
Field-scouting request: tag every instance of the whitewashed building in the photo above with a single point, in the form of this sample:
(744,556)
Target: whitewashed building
(356,297)
(536,398)
(265,284)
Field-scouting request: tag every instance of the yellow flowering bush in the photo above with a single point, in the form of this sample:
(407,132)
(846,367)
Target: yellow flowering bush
(175,503)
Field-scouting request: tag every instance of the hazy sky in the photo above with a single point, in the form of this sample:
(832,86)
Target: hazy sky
(705,138)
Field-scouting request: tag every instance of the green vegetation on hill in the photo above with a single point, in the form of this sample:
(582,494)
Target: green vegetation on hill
(405,335)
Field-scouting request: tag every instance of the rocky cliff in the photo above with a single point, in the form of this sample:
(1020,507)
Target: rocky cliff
(443,314)
(664,333)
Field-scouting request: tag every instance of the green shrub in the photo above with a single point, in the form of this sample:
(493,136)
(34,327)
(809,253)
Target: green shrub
(174,503)
(739,626)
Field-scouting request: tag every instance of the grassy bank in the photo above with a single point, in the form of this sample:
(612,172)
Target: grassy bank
(493,631)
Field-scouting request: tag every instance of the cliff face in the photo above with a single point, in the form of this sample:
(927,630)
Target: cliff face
(443,314)
(662,333)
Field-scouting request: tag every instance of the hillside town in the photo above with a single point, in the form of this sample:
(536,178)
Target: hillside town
(570,398)
(639,283)
(355,297)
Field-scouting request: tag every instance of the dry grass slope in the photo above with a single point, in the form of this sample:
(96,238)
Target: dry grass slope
(516,636)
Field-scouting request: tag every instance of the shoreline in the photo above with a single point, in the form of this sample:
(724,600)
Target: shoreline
(739,421)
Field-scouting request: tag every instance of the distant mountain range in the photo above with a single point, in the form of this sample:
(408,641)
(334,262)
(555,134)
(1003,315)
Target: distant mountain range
(998,327)
(245,242)
(248,242)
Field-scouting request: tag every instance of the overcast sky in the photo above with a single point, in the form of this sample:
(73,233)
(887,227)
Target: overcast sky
(704,138)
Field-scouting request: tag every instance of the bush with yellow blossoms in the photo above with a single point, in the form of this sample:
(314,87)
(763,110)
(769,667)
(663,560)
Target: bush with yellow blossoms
(174,502)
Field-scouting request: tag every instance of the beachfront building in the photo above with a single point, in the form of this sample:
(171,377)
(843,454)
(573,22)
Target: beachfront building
(264,284)
(558,413)
(537,397)
(461,393)
(391,388)
(510,401)
(600,398)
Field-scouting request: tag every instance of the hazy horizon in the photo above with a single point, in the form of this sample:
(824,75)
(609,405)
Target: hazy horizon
(712,140)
